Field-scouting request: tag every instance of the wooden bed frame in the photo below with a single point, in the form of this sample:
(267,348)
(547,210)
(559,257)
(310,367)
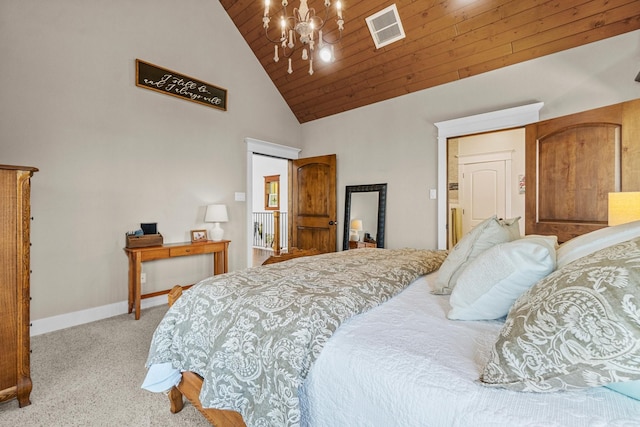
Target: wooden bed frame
(293,253)
(190,386)
(191,383)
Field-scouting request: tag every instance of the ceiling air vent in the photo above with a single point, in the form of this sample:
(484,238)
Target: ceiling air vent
(385,26)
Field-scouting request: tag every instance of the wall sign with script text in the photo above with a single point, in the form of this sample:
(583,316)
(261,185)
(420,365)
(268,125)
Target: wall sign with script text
(161,80)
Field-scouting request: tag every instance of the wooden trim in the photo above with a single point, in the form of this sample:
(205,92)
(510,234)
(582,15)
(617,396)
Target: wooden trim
(446,41)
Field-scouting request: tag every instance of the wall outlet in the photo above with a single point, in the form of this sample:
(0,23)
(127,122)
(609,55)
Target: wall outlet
(143,277)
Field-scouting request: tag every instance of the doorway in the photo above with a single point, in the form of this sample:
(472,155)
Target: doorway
(484,179)
(266,149)
(270,194)
(311,208)
(487,122)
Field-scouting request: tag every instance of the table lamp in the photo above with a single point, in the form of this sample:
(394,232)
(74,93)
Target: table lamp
(624,207)
(355,226)
(216,214)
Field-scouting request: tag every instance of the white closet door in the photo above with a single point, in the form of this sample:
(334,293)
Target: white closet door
(484,192)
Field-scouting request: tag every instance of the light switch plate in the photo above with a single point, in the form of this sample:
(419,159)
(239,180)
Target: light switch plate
(240,197)
(432,193)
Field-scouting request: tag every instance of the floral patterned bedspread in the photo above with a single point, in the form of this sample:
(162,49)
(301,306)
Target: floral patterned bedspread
(254,334)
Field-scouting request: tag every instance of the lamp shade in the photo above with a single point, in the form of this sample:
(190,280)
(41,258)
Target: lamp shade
(355,225)
(624,207)
(216,213)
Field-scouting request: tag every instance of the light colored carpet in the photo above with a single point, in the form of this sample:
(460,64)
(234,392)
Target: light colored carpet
(90,375)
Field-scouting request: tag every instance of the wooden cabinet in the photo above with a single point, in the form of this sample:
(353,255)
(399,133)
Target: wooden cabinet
(359,245)
(572,164)
(15,217)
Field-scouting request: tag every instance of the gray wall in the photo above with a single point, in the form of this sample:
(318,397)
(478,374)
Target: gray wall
(112,155)
(396,141)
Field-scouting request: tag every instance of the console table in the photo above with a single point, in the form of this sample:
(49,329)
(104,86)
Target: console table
(137,256)
(358,245)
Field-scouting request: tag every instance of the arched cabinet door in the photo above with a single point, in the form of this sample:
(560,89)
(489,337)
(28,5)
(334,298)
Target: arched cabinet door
(573,163)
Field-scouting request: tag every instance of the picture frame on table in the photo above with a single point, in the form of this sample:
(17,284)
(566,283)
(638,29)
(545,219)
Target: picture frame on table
(198,236)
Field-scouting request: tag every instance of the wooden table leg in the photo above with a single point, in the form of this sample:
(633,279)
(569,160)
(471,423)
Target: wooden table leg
(137,288)
(220,261)
(131,288)
(225,254)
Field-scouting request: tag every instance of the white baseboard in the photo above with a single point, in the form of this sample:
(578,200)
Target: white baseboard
(67,320)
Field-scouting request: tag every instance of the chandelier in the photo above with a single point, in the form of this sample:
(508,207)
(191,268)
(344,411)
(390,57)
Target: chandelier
(304,26)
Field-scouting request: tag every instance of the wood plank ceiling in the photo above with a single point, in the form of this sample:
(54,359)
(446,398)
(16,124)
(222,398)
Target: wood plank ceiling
(446,40)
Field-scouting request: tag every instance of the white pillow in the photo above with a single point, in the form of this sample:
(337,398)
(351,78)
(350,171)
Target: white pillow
(483,236)
(591,242)
(513,226)
(491,283)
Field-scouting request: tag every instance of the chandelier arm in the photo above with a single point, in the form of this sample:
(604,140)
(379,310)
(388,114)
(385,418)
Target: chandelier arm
(291,51)
(284,49)
(316,18)
(324,22)
(282,38)
(266,33)
(332,42)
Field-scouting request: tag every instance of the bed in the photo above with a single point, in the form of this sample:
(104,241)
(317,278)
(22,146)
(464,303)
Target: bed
(418,355)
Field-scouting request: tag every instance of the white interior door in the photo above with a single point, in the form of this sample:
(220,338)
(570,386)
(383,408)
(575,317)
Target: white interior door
(485,189)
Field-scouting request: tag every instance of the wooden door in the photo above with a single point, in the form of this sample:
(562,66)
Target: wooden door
(484,192)
(572,163)
(312,205)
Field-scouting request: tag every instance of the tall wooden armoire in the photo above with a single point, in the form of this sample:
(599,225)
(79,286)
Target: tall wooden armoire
(15,218)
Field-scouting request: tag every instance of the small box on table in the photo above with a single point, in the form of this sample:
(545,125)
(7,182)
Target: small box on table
(144,240)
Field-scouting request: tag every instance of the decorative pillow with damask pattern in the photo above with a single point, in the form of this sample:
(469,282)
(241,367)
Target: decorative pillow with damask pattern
(578,327)
(587,244)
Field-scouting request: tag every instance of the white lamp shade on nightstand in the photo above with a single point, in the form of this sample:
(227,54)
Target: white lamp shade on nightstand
(624,207)
(216,214)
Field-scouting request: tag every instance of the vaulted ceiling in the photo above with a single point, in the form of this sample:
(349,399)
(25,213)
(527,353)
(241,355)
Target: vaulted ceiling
(446,40)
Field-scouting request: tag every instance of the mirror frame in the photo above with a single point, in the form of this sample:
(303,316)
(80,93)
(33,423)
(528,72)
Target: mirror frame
(382,209)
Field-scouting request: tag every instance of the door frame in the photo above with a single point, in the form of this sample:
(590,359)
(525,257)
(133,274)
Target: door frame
(486,122)
(256,146)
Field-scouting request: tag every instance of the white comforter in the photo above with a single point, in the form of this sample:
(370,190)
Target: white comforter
(405,364)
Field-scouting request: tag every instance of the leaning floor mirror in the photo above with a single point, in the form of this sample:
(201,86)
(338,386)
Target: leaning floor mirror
(364,215)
